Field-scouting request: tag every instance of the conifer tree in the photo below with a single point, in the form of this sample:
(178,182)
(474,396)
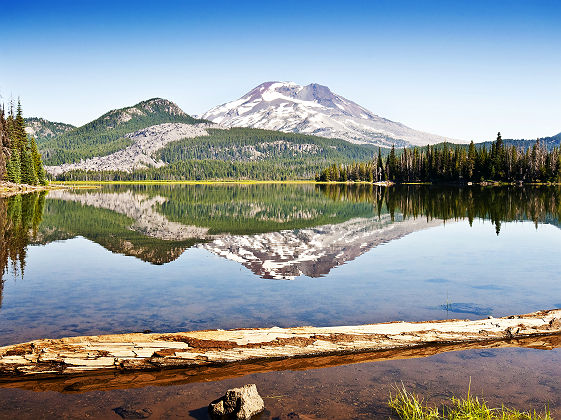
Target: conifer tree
(13,167)
(3,145)
(38,163)
(28,174)
(20,135)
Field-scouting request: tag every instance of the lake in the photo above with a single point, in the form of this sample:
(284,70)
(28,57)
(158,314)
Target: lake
(169,258)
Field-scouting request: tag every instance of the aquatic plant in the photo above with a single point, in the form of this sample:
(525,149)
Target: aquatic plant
(409,406)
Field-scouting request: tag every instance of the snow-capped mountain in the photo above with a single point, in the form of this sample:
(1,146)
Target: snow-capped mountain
(314,109)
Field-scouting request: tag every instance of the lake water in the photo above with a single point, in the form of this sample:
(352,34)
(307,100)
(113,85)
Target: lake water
(189,257)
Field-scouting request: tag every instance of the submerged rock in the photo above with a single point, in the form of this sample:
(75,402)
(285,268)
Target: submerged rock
(238,403)
(133,413)
(467,308)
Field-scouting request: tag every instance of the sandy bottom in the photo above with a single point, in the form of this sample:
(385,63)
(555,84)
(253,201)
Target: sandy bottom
(521,378)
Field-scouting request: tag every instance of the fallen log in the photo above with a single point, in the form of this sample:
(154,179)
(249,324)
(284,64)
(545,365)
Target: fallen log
(106,380)
(213,351)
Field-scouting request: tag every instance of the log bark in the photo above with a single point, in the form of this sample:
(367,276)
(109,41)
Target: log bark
(233,352)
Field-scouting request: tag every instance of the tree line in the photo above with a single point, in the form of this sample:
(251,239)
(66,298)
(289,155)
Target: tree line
(20,160)
(455,164)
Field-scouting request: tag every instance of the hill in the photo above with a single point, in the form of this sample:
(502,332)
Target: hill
(549,142)
(236,153)
(106,134)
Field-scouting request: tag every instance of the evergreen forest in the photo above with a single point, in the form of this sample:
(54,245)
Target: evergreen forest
(455,164)
(20,160)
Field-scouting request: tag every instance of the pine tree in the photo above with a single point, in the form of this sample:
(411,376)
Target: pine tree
(19,134)
(381,167)
(3,145)
(28,174)
(38,163)
(13,167)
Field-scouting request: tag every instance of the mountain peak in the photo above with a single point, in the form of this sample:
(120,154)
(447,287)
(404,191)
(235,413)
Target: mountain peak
(314,109)
(146,108)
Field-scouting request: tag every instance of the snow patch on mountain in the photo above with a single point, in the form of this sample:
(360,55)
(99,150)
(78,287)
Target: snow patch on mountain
(314,109)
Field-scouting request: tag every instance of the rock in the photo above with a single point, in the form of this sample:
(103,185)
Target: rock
(555,323)
(133,413)
(238,403)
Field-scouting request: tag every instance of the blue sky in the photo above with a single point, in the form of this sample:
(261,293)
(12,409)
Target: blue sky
(460,69)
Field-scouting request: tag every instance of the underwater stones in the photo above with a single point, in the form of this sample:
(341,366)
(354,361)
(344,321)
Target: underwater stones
(238,403)
(128,412)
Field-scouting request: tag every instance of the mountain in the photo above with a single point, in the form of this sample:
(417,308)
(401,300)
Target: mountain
(314,109)
(44,130)
(155,139)
(107,134)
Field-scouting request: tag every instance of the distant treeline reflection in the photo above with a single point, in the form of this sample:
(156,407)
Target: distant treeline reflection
(20,217)
(540,204)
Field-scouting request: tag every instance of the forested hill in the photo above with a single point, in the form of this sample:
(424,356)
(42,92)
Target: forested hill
(238,153)
(548,142)
(43,130)
(105,135)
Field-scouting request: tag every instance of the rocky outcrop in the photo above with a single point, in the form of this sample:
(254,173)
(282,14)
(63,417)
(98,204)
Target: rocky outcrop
(238,403)
(212,348)
(139,154)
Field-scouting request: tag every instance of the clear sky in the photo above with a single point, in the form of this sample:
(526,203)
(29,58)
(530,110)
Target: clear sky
(464,69)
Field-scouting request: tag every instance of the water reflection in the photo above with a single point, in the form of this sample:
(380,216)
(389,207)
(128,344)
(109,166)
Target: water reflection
(20,217)
(540,204)
(191,257)
(277,231)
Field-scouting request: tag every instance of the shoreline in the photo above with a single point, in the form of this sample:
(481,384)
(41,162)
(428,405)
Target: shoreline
(9,189)
(78,184)
(223,350)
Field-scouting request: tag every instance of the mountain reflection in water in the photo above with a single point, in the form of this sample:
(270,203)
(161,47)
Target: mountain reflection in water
(277,231)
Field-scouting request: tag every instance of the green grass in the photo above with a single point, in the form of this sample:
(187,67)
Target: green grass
(409,406)
(194,182)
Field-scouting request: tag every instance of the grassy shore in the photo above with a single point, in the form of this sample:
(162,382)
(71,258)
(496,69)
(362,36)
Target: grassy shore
(296,181)
(166,182)
(8,189)
(214,182)
(409,406)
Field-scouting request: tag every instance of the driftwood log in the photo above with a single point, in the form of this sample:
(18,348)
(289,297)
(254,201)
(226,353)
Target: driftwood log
(122,360)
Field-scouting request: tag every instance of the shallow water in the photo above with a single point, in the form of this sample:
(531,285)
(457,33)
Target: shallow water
(522,378)
(174,258)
